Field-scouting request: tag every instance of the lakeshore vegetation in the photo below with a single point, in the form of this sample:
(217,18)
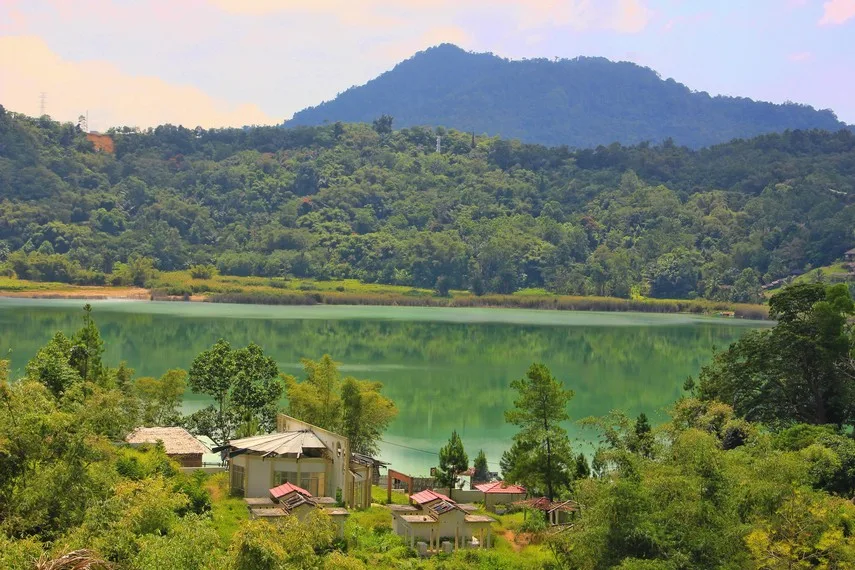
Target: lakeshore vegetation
(381,206)
(754,469)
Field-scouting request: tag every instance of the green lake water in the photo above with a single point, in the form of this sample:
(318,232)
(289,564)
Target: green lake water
(444,368)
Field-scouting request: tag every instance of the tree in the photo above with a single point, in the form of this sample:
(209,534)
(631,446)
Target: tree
(245,386)
(50,366)
(642,442)
(87,348)
(798,371)
(160,398)
(355,408)
(452,462)
(383,124)
(482,473)
(538,411)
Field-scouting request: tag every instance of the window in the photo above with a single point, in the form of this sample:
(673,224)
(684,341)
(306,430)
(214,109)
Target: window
(313,483)
(237,479)
(280,477)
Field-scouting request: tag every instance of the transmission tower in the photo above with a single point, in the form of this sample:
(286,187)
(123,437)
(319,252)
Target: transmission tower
(438,144)
(42,103)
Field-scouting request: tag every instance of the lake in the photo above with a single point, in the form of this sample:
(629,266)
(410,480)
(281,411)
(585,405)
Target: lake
(444,368)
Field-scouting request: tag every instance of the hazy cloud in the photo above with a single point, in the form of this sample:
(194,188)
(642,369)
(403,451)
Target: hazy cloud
(801,56)
(30,67)
(836,12)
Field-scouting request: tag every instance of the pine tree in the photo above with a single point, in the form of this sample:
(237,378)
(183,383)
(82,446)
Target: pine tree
(452,462)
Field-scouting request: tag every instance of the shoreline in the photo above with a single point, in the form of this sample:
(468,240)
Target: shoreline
(326,297)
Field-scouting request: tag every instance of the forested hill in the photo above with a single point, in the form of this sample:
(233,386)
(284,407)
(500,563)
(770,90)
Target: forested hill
(583,102)
(490,215)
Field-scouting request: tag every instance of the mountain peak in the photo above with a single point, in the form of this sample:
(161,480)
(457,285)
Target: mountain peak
(579,102)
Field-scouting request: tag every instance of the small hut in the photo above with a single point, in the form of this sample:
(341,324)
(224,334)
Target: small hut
(556,512)
(178,443)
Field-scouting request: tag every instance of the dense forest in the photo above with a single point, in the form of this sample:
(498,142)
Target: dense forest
(381,205)
(581,102)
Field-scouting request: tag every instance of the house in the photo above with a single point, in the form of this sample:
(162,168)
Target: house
(556,512)
(317,460)
(178,443)
(849,256)
(433,518)
(288,499)
(500,493)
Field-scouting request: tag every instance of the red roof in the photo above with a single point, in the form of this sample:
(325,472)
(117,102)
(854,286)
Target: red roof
(501,487)
(287,488)
(427,496)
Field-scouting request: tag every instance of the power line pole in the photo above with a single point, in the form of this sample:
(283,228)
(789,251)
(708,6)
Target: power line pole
(42,104)
(438,144)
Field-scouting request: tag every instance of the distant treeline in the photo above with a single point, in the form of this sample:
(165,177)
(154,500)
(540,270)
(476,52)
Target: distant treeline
(367,202)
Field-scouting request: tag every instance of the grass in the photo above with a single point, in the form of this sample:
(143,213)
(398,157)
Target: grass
(282,291)
(378,495)
(12,284)
(227,512)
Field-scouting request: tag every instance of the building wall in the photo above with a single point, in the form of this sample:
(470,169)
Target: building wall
(493,499)
(187,459)
(461,496)
(259,471)
(337,476)
(452,524)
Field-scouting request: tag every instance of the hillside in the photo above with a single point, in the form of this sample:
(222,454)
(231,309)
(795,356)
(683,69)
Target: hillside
(346,202)
(582,102)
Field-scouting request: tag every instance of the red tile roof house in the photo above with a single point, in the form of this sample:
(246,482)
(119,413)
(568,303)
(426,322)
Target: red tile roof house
(433,518)
(289,499)
(500,493)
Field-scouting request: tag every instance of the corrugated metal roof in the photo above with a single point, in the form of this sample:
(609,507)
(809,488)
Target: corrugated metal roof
(501,487)
(287,488)
(442,507)
(427,496)
(284,443)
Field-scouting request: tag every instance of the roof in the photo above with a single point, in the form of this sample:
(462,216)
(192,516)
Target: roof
(295,501)
(286,488)
(337,512)
(544,504)
(479,519)
(176,440)
(427,496)
(501,488)
(850,252)
(418,518)
(266,513)
(442,507)
(272,444)
(367,460)
(258,502)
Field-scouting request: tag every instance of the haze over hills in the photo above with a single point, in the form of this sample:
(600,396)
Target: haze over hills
(582,102)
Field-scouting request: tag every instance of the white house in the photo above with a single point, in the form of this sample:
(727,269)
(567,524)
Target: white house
(314,459)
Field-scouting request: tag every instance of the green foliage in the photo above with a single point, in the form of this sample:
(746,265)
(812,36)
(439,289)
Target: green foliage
(798,371)
(538,411)
(354,408)
(579,102)
(203,271)
(344,202)
(285,544)
(246,388)
(161,397)
(482,473)
(452,462)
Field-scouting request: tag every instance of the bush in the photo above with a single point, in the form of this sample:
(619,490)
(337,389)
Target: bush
(203,271)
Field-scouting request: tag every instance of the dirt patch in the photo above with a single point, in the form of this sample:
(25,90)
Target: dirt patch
(135,293)
(517,541)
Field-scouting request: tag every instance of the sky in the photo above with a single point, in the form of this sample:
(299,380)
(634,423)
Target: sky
(219,63)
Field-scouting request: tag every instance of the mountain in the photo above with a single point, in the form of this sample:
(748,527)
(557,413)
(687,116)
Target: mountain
(582,102)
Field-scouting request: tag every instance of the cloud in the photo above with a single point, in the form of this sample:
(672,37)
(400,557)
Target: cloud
(113,97)
(836,12)
(623,16)
(800,57)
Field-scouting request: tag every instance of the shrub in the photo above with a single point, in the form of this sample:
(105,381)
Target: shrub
(203,271)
